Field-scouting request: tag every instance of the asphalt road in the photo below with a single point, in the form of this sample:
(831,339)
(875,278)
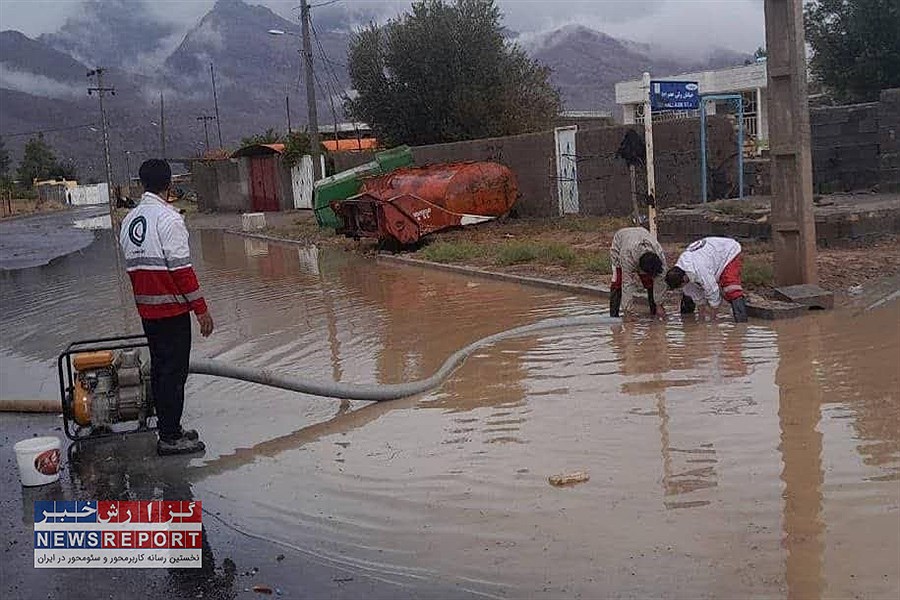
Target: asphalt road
(35,240)
(128,468)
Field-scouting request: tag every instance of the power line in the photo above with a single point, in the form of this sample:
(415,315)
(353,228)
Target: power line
(321,4)
(330,98)
(328,69)
(48,130)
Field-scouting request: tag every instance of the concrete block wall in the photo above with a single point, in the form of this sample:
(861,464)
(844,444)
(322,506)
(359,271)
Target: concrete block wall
(344,161)
(845,147)
(604,184)
(889,140)
(531,157)
(222,185)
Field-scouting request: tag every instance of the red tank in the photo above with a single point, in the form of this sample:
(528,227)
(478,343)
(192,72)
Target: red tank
(413,202)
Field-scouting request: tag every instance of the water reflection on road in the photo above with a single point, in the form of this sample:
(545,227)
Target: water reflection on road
(725,460)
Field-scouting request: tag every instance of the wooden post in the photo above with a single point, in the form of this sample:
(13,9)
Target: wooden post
(648,140)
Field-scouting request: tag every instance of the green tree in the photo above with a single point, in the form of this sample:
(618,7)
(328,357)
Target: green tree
(5,160)
(855,46)
(38,162)
(444,73)
(269,136)
(66,169)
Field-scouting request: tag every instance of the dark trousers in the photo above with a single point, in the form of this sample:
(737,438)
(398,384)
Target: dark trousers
(170,353)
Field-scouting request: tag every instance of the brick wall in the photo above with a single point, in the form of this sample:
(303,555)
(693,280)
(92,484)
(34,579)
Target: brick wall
(889,140)
(845,147)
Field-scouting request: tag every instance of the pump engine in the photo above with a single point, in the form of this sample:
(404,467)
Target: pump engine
(105,387)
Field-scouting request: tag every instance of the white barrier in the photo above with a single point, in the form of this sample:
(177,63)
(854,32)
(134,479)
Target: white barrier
(85,195)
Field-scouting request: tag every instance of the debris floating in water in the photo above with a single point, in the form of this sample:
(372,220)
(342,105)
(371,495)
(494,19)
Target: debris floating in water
(569,478)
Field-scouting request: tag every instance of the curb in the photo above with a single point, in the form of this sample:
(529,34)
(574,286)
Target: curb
(771,311)
(576,288)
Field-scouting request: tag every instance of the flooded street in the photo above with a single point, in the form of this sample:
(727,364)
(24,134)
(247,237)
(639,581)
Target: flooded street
(725,461)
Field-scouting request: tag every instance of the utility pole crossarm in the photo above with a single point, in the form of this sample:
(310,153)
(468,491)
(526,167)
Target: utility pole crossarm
(204,119)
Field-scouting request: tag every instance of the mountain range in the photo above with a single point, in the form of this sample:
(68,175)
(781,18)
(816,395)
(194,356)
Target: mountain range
(43,83)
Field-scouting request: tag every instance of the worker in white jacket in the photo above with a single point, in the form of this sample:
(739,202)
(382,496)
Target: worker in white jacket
(637,259)
(706,266)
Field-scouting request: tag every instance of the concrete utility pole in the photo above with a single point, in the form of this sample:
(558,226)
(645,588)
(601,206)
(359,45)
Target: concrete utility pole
(162,127)
(310,91)
(204,119)
(793,222)
(101,92)
(287,106)
(127,155)
(212,74)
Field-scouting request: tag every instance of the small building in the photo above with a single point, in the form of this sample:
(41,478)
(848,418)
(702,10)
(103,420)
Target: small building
(749,81)
(52,190)
(253,179)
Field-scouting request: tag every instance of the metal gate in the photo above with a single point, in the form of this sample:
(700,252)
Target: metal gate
(263,184)
(566,170)
(302,182)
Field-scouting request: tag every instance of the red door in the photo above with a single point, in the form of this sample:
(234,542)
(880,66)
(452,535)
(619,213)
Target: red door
(263,196)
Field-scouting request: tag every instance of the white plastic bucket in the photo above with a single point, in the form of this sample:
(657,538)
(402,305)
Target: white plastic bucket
(38,460)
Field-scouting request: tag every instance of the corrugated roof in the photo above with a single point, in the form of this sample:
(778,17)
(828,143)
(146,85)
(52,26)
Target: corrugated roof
(351,144)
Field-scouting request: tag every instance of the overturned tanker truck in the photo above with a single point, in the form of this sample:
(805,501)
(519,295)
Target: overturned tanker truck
(410,203)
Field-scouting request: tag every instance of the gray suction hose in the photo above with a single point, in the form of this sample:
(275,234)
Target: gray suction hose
(376,392)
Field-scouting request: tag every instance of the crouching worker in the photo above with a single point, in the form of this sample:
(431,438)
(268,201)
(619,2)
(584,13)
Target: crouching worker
(702,269)
(154,240)
(635,256)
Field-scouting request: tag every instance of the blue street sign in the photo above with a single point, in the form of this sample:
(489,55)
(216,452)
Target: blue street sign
(674,95)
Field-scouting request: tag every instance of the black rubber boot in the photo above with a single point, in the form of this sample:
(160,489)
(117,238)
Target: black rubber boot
(739,310)
(651,302)
(615,301)
(687,305)
(182,445)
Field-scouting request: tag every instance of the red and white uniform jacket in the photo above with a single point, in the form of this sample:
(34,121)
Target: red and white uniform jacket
(704,261)
(154,240)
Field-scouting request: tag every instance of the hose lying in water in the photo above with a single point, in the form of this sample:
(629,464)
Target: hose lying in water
(379,392)
(30,406)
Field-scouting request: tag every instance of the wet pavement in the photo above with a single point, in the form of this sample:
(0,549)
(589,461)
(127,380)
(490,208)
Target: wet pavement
(33,241)
(759,460)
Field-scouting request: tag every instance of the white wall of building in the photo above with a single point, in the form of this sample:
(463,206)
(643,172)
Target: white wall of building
(84,195)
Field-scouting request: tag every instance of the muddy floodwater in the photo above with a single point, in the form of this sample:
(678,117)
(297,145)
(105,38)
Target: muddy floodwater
(724,461)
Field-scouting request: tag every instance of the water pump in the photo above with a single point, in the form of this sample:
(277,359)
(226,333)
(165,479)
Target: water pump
(105,387)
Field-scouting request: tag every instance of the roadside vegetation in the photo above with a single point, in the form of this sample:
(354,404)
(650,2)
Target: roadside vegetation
(14,207)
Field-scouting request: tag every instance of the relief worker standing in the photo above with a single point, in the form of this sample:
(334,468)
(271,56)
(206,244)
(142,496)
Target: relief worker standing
(154,240)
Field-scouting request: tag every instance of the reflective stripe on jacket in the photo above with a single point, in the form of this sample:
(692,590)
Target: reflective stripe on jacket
(704,261)
(154,241)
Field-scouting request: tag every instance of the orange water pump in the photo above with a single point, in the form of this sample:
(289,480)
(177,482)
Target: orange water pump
(104,386)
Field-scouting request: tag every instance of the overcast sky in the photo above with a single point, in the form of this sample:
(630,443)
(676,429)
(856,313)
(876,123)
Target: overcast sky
(691,24)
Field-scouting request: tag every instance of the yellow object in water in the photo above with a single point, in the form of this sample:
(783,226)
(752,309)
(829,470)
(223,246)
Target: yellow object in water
(569,478)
